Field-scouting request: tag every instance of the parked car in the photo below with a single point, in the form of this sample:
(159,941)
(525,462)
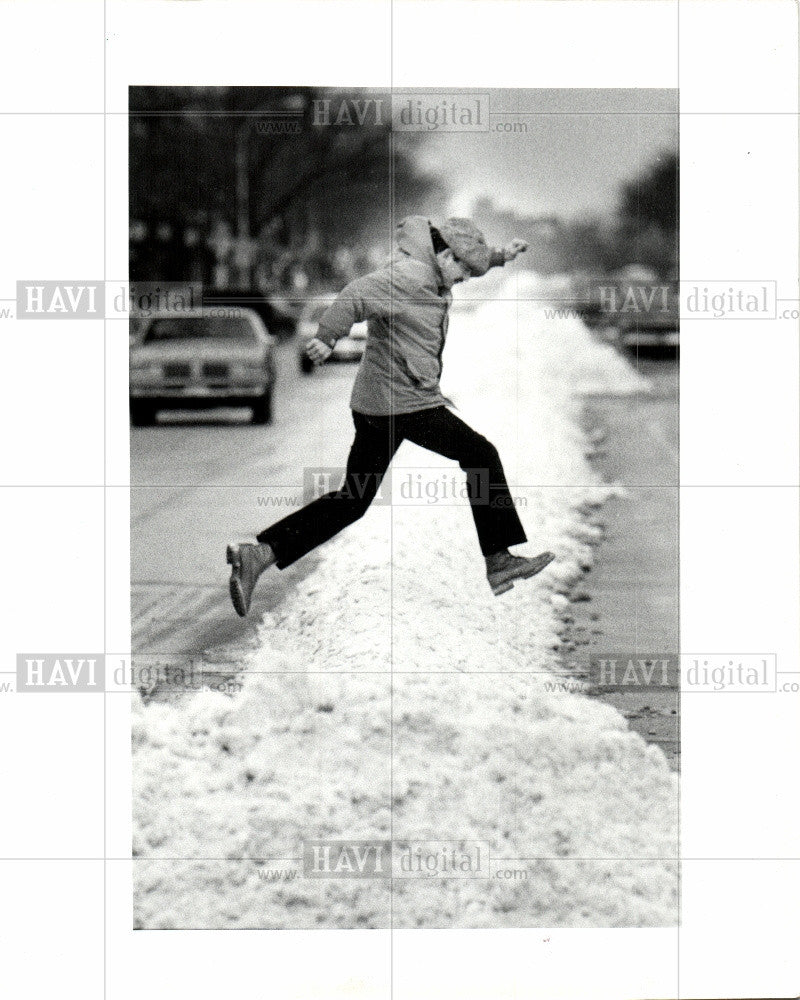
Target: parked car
(349,348)
(648,311)
(634,307)
(191,360)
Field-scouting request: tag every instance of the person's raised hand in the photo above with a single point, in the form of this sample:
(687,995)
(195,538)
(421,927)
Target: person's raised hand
(514,249)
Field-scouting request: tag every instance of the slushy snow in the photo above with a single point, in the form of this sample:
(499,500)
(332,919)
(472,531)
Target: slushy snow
(394,698)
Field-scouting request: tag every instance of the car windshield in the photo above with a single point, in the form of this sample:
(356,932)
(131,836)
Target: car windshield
(200,328)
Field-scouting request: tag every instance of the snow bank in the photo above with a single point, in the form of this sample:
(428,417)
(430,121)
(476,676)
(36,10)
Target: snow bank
(395,698)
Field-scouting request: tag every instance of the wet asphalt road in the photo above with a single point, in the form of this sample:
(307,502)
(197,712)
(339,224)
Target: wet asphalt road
(630,599)
(201,480)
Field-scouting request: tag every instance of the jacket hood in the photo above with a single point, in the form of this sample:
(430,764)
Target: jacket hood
(414,240)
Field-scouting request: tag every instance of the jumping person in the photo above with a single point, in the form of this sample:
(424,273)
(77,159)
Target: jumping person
(396,397)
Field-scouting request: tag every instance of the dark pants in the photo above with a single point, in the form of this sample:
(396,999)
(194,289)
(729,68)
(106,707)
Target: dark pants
(376,441)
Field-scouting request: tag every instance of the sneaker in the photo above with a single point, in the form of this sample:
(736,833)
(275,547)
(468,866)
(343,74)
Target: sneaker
(502,569)
(247,563)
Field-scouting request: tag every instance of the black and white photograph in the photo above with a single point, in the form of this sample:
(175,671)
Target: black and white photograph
(404,507)
(400,483)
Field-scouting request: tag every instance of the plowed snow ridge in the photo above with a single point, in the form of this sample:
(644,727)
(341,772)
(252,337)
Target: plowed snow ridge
(394,697)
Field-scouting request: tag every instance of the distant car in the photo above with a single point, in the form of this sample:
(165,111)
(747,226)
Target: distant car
(349,348)
(274,312)
(648,314)
(197,361)
(633,307)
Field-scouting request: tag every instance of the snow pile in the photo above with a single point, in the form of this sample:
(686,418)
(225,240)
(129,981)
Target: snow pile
(394,698)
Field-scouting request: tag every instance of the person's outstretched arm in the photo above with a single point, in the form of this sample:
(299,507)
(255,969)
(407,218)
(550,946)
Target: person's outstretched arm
(359,300)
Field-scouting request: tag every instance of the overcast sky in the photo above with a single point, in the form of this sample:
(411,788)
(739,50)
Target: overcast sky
(578,147)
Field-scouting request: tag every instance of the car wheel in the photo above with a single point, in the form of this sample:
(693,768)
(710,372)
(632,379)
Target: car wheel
(142,414)
(262,408)
(306,364)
